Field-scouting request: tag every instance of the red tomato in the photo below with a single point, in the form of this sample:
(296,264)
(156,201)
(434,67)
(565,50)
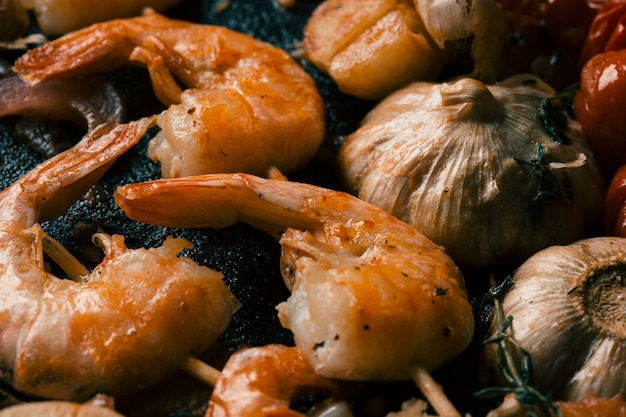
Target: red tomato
(607,32)
(546,37)
(600,107)
(615,205)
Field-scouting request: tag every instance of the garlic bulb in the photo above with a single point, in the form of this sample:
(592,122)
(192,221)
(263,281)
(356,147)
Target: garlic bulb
(474,168)
(568,306)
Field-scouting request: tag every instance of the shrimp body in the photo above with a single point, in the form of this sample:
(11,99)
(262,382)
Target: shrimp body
(262,381)
(371,296)
(248,106)
(126,325)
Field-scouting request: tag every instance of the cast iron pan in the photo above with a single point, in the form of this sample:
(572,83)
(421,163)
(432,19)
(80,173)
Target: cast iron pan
(248,258)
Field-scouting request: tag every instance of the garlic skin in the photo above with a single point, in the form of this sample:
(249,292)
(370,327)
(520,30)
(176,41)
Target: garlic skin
(479,20)
(473,168)
(568,307)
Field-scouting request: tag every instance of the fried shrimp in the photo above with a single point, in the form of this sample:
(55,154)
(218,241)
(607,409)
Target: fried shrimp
(371,297)
(129,323)
(263,381)
(248,106)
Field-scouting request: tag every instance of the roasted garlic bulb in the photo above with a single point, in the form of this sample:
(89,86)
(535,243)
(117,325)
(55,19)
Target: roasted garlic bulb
(567,307)
(491,172)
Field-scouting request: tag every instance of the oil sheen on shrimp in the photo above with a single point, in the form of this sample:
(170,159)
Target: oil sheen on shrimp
(128,324)
(262,381)
(248,106)
(57,17)
(371,296)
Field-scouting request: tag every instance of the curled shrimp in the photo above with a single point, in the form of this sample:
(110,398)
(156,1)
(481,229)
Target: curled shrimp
(372,298)
(120,328)
(248,106)
(57,17)
(263,381)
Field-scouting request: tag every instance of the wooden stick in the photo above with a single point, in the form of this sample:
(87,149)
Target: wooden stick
(201,371)
(433,393)
(72,266)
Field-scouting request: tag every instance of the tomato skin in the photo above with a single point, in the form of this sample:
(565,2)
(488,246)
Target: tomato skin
(615,205)
(600,107)
(607,31)
(546,37)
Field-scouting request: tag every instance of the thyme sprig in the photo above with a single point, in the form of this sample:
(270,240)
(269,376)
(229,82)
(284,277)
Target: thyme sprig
(555,111)
(549,186)
(536,402)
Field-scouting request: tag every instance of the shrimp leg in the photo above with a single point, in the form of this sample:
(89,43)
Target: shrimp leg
(371,296)
(123,327)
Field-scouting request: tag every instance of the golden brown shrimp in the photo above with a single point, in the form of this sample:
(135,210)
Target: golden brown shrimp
(372,298)
(263,381)
(249,105)
(57,17)
(123,327)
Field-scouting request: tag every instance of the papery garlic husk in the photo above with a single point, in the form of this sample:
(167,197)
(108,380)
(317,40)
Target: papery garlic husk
(568,309)
(472,166)
(480,21)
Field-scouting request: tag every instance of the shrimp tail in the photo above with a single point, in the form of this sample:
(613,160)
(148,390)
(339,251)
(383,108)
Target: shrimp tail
(215,201)
(102,46)
(58,182)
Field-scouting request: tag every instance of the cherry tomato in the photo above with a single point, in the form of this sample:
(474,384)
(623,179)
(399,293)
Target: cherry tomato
(615,205)
(600,107)
(547,36)
(607,31)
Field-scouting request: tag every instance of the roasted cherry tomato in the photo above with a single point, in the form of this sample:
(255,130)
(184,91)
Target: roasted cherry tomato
(600,107)
(615,206)
(547,36)
(607,31)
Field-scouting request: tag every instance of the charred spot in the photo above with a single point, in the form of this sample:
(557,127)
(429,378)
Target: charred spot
(358,268)
(319,345)
(224,153)
(440,292)
(191,110)
(336,337)
(404,274)
(366,327)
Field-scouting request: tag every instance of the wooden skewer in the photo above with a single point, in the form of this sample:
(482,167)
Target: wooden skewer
(57,252)
(201,370)
(433,393)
